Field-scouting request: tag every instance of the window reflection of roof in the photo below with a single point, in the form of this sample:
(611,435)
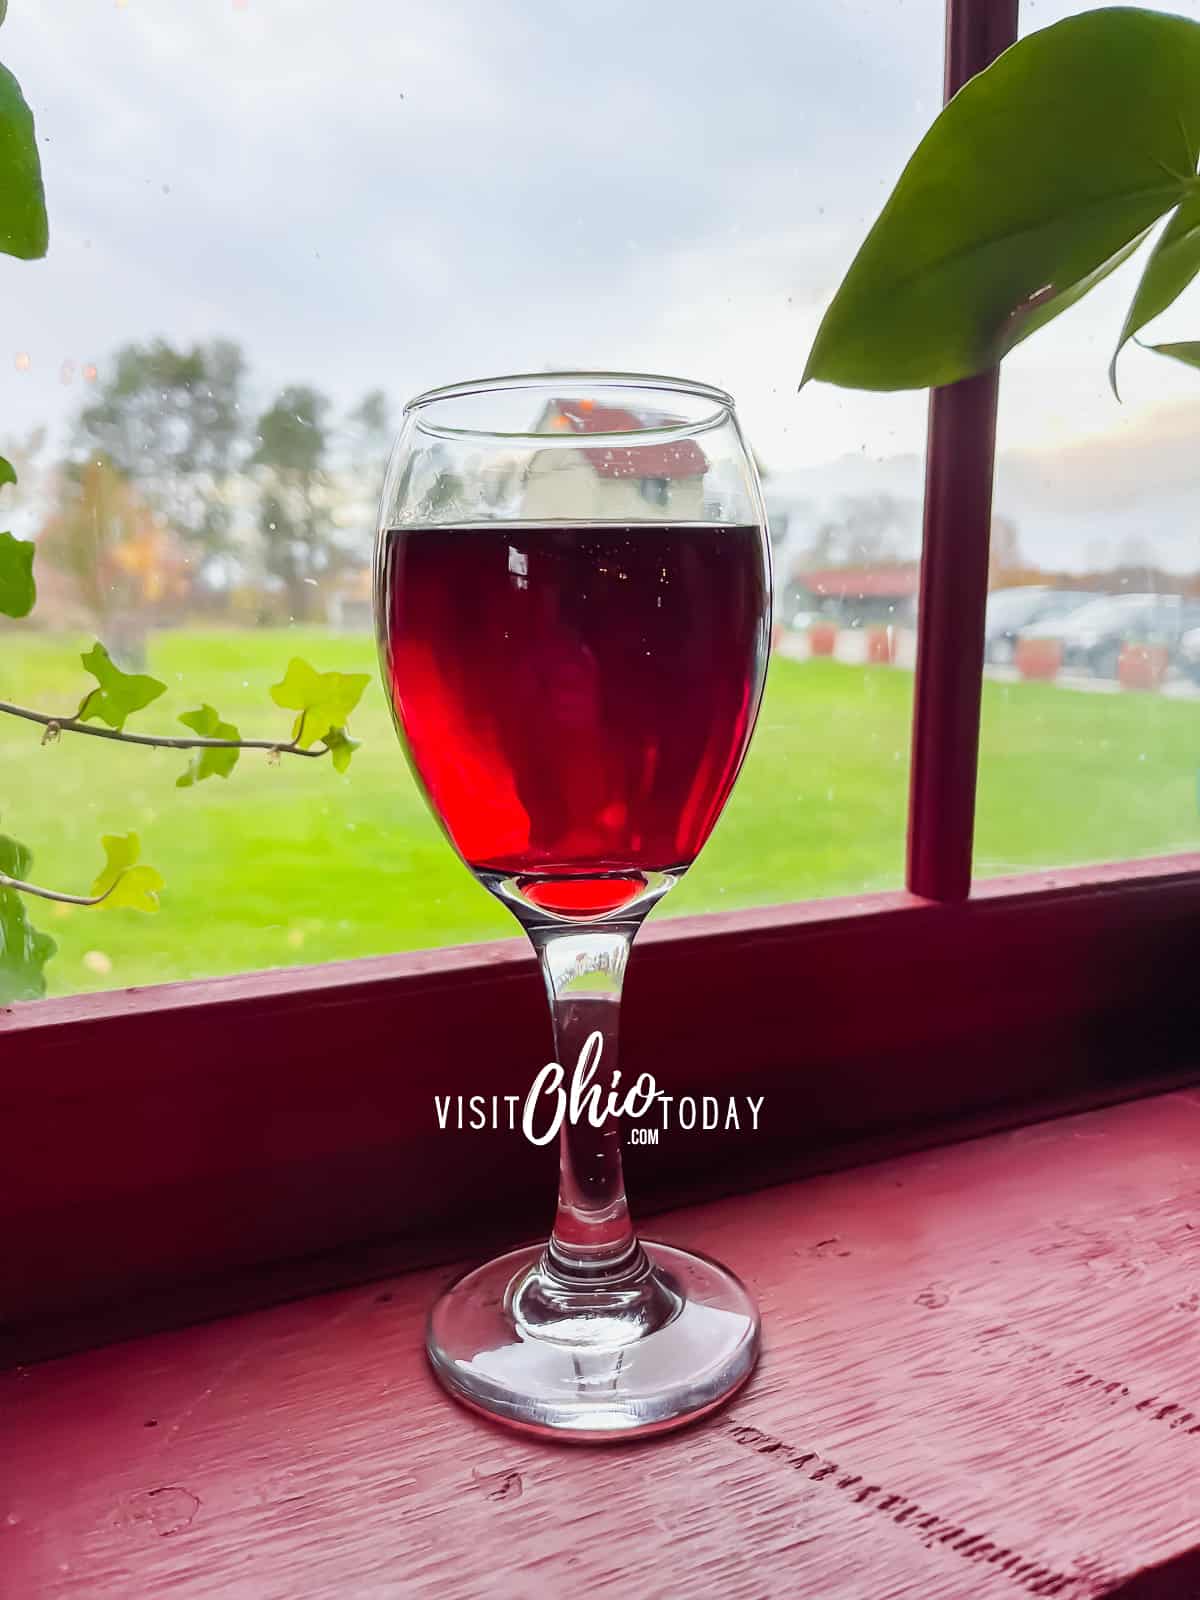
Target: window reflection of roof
(683,459)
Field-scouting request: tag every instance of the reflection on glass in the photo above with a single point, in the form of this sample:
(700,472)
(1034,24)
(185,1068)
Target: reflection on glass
(199,456)
(575,668)
(1091,709)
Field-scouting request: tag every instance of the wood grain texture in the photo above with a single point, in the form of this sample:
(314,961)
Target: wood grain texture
(981,1379)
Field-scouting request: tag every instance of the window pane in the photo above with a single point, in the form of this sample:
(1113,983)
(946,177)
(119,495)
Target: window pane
(272,223)
(1091,711)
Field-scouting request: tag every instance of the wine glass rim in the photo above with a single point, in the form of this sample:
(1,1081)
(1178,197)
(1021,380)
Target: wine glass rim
(653,383)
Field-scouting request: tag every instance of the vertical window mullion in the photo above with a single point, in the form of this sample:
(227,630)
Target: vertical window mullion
(960,456)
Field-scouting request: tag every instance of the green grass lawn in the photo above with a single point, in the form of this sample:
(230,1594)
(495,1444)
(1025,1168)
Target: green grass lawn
(293,864)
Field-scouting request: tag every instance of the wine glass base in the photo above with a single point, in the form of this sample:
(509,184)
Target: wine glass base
(688,1343)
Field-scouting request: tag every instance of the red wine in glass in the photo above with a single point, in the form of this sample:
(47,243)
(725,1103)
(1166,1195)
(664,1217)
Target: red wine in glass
(572,591)
(576,700)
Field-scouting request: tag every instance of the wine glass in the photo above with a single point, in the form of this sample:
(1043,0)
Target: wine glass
(572,596)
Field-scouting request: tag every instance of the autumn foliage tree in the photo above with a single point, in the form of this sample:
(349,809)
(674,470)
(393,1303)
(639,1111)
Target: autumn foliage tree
(170,421)
(121,556)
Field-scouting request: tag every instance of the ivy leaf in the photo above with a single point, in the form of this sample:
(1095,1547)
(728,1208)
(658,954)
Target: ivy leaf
(122,881)
(24,231)
(120,693)
(18,591)
(24,951)
(8,473)
(1186,350)
(208,763)
(1172,264)
(341,747)
(1030,184)
(323,699)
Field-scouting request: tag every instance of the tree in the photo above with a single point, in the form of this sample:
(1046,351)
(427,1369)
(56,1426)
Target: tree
(123,561)
(363,440)
(171,421)
(294,515)
(368,431)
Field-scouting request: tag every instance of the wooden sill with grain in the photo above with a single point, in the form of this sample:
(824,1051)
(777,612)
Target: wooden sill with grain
(981,1378)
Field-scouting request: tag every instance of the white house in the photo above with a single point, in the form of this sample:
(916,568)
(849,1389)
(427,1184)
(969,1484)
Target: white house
(611,482)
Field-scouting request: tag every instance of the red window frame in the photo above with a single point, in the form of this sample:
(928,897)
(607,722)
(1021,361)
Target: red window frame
(190,1147)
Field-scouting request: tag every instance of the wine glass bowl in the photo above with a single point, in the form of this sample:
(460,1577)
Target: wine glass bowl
(573,605)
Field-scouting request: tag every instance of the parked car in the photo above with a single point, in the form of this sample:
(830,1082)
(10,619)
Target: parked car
(1093,635)
(1010,610)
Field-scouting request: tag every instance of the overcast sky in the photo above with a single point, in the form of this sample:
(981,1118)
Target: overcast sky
(392,193)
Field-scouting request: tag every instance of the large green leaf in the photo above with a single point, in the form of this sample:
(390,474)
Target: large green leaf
(1034,179)
(23,950)
(119,693)
(18,591)
(7,472)
(1172,264)
(23,228)
(323,699)
(1185,350)
(208,763)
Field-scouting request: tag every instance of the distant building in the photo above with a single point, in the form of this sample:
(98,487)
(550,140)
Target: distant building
(884,592)
(611,482)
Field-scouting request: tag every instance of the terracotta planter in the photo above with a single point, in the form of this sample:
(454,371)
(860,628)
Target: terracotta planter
(1039,658)
(822,637)
(1142,666)
(881,646)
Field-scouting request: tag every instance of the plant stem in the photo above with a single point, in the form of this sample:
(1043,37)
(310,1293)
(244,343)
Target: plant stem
(159,741)
(54,894)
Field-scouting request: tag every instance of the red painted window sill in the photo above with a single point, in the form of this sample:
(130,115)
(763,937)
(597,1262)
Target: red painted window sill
(207,1146)
(979,1379)
(201,1147)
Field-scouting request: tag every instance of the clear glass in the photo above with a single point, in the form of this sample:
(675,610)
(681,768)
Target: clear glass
(572,596)
(643,230)
(1092,670)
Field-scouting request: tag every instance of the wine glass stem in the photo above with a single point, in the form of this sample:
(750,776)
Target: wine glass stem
(593,1240)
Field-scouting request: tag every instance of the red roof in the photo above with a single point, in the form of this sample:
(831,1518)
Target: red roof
(682,460)
(861,583)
